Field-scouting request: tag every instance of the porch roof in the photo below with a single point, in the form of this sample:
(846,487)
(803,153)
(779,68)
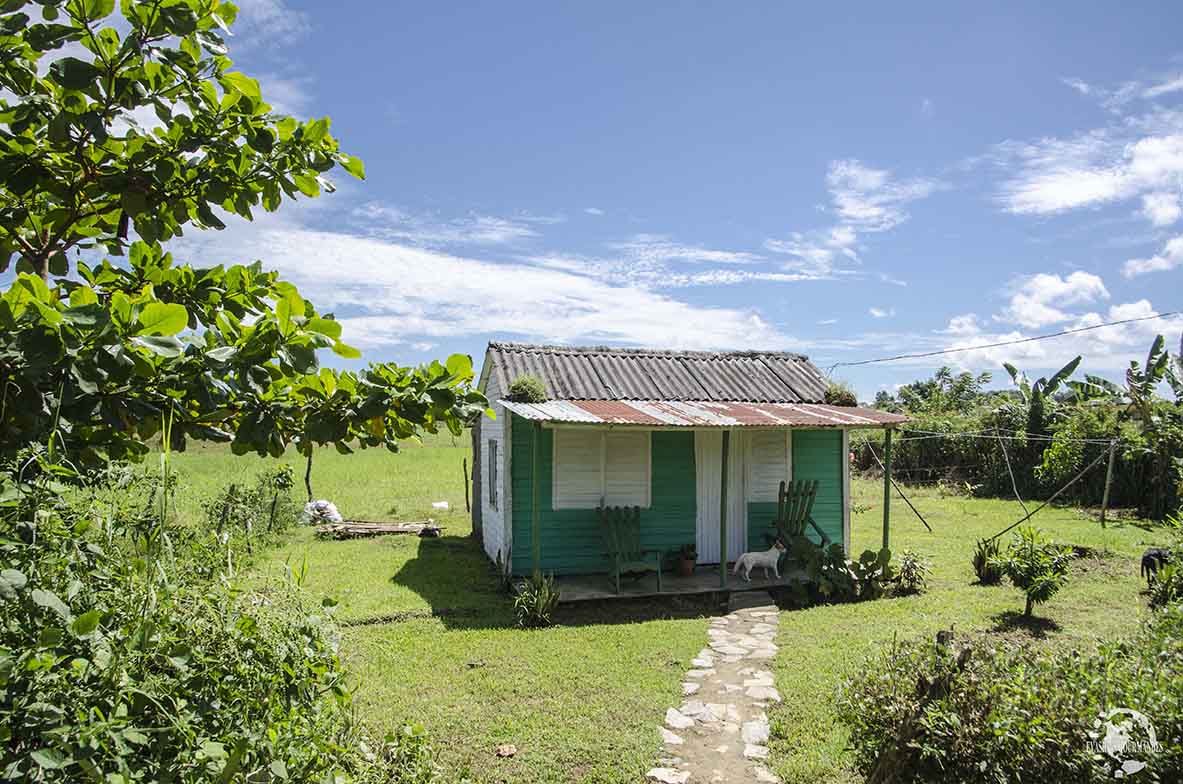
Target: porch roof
(721,414)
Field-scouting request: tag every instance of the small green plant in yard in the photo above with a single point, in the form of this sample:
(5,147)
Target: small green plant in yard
(1167,585)
(536,601)
(986,564)
(527,389)
(1036,566)
(912,571)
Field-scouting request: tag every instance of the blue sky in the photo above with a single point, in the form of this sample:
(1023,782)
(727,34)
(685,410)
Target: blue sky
(846,181)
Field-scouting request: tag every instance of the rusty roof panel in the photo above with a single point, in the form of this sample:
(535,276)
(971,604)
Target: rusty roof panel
(703,413)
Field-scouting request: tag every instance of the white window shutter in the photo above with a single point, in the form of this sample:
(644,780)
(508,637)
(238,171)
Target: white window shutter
(768,463)
(627,468)
(578,477)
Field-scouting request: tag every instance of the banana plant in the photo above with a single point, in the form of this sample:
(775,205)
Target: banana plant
(1035,394)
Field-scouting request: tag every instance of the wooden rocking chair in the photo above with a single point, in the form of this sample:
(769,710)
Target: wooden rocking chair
(621,529)
(794,512)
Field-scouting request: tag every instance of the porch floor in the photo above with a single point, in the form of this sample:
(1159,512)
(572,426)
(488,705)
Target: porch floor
(592,587)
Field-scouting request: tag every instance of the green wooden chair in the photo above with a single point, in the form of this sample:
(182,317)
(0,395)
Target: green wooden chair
(794,512)
(621,529)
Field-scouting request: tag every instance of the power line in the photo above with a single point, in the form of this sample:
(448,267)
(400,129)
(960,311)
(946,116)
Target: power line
(1001,343)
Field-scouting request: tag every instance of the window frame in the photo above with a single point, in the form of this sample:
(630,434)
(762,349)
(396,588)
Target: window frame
(558,503)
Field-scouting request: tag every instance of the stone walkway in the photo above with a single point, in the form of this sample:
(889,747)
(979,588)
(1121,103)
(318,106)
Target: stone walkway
(719,732)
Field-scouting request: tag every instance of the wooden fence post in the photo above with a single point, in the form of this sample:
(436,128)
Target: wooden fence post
(1108,480)
(886,488)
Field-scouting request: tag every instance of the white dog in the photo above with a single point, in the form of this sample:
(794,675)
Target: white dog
(769,559)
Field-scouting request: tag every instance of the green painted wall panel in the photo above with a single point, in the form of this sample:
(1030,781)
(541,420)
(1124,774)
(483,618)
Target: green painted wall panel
(571,540)
(817,454)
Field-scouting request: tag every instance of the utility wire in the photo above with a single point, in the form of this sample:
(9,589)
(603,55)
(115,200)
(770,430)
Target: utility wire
(1001,343)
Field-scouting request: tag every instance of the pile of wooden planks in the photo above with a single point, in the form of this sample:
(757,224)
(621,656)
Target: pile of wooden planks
(358,529)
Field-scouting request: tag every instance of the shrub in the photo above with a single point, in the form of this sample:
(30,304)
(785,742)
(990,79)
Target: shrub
(527,388)
(536,601)
(838,394)
(1036,566)
(986,561)
(836,578)
(912,572)
(931,712)
(1166,587)
(119,662)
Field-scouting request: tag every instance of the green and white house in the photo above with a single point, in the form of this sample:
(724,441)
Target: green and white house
(651,428)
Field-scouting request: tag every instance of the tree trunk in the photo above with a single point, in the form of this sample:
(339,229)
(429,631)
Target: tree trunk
(1027,610)
(308,476)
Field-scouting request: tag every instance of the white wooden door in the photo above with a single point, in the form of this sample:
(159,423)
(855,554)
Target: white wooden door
(708,461)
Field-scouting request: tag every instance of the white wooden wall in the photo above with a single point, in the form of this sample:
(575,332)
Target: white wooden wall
(493,518)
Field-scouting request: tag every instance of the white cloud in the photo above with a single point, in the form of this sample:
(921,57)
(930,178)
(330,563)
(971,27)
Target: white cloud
(1108,349)
(1171,85)
(286,95)
(263,23)
(393,223)
(827,322)
(1162,208)
(881,313)
(1170,257)
(387,293)
(658,248)
(593,210)
(1038,300)
(927,108)
(866,201)
(1081,86)
(1138,156)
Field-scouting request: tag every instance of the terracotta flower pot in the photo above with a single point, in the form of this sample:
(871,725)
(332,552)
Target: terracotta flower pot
(686,567)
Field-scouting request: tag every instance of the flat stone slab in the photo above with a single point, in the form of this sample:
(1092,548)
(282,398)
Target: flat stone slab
(763,693)
(755,732)
(670,738)
(699,674)
(754,751)
(668,776)
(676,720)
(765,776)
(690,688)
(704,662)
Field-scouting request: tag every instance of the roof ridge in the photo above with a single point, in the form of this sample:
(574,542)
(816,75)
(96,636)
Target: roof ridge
(639,351)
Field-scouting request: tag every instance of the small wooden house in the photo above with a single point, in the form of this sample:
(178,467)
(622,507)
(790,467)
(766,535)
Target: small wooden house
(650,428)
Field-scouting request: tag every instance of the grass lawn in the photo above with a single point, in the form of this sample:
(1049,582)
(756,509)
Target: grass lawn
(430,636)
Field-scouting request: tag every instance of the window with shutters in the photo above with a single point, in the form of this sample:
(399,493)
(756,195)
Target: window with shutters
(493,471)
(768,462)
(594,466)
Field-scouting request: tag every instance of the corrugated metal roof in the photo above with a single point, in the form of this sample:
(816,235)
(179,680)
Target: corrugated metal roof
(702,413)
(602,373)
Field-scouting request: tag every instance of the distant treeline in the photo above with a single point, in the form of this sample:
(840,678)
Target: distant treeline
(1051,429)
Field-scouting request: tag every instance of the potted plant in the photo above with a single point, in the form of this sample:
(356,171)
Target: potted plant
(687,555)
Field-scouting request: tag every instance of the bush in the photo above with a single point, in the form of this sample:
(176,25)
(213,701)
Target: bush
(119,663)
(986,561)
(1035,566)
(835,578)
(911,571)
(838,394)
(931,712)
(527,389)
(535,604)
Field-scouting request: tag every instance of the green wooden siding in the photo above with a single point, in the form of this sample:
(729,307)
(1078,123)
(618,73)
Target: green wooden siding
(571,541)
(817,454)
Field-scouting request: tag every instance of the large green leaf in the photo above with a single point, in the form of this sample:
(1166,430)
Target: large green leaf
(73,74)
(163,318)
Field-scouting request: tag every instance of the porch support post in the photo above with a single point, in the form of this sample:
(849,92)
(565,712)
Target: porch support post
(723,512)
(887,488)
(535,518)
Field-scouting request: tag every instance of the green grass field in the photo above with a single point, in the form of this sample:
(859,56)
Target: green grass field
(430,636)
